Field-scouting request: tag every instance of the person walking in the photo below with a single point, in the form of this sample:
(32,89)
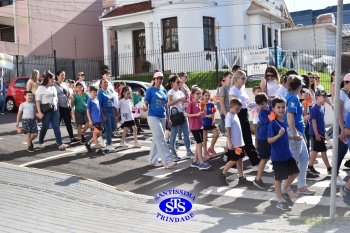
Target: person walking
(33,82)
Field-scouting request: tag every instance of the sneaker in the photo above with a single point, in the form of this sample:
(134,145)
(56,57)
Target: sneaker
(102,142)
(224,158)
(347,163)
(204,166)
(83,139)
(110,148)
(168,143)
(259,184)
(313,170)
(243,181)
(316,161)
(283,206)
(213,152)
(286,197)
(189,155)
(41,146)
(177,144)
(73,140)
(340,181)
(346,195)
(116,134)
(2,113)
(100,152)
(88,147)
(310,175)
(175,157)
(329,171)
(223,180)
(169,165)
(207,155)
(305,191)
(137,144)
(195,164)
(30,149)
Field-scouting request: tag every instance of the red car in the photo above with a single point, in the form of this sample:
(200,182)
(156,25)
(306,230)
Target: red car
(15,93)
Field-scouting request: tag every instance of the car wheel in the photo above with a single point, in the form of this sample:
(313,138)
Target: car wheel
(10,105)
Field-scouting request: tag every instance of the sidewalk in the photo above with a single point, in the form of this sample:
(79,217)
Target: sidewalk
(40,201)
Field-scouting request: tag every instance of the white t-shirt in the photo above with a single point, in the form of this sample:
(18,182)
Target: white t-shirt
(175,95)
(232,121)
(272,87)
(46,95)
(281,92)
(241,94)
(344,97)
(27,109)
(125,107)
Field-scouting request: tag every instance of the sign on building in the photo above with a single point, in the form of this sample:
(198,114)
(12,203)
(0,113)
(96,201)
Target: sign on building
(255,72)
(256,56)
(6,61)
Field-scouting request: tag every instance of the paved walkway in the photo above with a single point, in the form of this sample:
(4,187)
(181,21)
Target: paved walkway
(41,201)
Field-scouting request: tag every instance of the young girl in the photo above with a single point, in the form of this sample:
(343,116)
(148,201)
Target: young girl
(209,125)
(79,100)
(126,106)
(194,115)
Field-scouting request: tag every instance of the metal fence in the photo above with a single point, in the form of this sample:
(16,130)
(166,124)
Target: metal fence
(203,67)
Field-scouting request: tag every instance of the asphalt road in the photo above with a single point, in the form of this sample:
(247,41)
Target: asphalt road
(127,169)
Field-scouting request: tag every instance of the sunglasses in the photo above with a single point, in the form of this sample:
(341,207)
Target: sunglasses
(270,75)
(178,82)
(83,75)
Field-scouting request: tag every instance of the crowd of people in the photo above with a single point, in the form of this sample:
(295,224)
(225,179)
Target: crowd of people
(288,117)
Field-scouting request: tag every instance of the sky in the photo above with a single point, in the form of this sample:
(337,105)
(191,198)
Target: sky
(299,5)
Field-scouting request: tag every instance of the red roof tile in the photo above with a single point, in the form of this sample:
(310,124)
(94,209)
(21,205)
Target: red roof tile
(130,9)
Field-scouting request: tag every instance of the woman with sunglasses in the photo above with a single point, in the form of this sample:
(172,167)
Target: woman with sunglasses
(238,91)
(270,83)
(155,102)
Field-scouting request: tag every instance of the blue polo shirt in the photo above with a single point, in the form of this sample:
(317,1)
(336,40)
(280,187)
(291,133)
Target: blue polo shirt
(347,125)
(157,99)
(95,113)
(294,106)
(317,113)
(280,148)
(207,121)
(263,124)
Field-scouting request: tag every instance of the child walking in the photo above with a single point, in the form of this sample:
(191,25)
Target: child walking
(194,114)
(264,148)
(235,149)
(79,100)
(284,165)
(125,105)
(209,125)
(95,121)
(317,131)
(29,127)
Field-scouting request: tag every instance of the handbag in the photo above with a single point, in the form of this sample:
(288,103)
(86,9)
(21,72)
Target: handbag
(44,108)
(176,117)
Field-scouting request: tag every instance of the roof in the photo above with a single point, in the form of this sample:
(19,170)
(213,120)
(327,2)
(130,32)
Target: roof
(130,9)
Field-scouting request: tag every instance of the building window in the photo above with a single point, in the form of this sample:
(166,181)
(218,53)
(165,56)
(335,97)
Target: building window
(170,35)
(208,33)
(263,36)
(7,34)
(269,37)
(5,2)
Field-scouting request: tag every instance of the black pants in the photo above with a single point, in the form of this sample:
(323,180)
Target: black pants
(249,147)
(65,114)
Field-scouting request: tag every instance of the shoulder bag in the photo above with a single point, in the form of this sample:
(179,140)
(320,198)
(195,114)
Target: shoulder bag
(176,117)
(44,108)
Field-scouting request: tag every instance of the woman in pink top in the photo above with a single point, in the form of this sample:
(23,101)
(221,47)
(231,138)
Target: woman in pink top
(194,114)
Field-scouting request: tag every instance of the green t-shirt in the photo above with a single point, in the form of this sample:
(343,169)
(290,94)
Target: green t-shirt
(78,100)
(136,99)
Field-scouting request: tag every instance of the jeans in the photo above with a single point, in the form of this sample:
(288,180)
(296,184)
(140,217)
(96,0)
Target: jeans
(159,146)
(2,103)
(342,150)
(65,114)
(184,128)
(110,124)
(299,152)
(222,124)
(54,118)
(4,97)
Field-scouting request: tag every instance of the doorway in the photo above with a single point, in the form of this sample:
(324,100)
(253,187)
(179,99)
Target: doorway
(139,40)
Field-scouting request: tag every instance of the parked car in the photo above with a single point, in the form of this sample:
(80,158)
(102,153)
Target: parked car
(15,93)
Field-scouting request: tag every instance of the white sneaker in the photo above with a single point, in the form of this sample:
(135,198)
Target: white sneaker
(102,142)
(110,148)
(123,144)
(340,181)
(137,144)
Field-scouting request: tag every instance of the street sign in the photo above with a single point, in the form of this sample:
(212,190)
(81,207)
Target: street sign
(6,61)
(256,72)
(256,56)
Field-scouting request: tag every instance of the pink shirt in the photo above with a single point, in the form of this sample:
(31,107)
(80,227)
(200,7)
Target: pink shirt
(195,122)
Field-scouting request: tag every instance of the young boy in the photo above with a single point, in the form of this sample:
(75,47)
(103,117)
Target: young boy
(264,148)
(235,153)
(95,121)
(317,131)
(284,165)
(29,126)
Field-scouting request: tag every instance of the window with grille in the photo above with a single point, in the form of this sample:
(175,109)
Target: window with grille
(170,35)
(208,33)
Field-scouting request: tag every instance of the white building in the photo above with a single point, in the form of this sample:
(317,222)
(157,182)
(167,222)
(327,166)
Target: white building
(188,26)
